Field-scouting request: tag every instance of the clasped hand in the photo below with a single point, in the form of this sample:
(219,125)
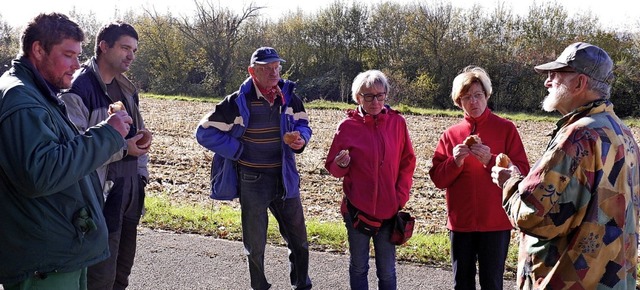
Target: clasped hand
(479,151)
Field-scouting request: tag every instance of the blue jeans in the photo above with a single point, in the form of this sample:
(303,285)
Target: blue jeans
(385,257)
(489,249)
(261,191)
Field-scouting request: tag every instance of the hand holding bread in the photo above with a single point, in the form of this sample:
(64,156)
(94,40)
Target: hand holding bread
(502,160)
(119,121)
(472,139)
(291,137)
(115,107)
(145,141)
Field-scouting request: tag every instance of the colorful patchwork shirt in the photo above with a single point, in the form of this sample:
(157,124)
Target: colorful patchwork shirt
(577,209)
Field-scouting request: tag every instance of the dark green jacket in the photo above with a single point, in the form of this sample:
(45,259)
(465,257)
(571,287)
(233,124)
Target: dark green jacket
(50,198)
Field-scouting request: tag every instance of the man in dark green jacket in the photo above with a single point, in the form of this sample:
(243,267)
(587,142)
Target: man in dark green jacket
(51,225)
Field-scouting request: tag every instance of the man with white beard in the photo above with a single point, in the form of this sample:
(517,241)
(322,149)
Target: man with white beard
(577,209)
(556,94)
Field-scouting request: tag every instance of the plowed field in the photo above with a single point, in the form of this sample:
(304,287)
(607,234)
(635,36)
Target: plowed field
(180,167)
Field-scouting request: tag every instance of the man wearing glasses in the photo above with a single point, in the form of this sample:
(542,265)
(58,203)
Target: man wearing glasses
(253,160)
(578,207)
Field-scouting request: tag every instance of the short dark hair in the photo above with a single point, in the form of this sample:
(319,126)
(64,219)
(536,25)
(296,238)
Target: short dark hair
(111,32)
(50,29)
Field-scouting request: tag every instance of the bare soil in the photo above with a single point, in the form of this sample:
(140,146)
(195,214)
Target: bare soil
(180,167)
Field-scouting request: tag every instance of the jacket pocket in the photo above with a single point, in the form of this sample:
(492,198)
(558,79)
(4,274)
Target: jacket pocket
(224,179)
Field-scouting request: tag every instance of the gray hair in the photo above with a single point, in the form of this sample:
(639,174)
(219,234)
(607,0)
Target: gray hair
(368,79)
(601,88)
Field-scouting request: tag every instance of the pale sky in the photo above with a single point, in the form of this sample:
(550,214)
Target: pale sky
(612,13)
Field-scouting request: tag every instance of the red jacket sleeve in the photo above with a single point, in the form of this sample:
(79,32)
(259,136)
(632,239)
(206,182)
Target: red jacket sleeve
(444,170)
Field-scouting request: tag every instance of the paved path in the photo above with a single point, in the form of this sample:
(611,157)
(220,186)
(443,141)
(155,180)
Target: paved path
(184,261)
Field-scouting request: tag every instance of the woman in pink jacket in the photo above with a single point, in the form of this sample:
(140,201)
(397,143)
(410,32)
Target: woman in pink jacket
(479,229)
(372,152)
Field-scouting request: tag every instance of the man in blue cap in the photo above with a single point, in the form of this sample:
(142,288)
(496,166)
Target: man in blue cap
(577,208)
(255,133)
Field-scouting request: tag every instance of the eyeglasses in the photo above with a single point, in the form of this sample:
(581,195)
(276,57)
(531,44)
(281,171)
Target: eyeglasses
(369,97)
(552,74)
(476,96)
(264,68)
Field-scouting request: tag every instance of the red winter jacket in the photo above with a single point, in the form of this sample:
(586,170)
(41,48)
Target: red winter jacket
(379,176)
(474,203)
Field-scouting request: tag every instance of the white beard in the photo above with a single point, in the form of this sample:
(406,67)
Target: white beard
(554,97)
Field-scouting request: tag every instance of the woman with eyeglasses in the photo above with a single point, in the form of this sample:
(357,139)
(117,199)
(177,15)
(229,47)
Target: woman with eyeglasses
(479,230)
(372,152)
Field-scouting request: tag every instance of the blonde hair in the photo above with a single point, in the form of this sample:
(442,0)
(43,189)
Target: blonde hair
(368,79)
(470,75)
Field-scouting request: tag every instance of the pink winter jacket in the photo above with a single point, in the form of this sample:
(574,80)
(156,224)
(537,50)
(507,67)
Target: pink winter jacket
(379,177)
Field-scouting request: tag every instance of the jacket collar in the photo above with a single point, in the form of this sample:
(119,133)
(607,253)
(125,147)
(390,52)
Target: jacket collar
(247,87)
(475,122)
(49,91)
(596,106)
(127,87)
(588,109)
(360,115)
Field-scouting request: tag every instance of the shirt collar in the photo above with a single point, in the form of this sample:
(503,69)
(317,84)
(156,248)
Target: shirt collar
(259,93)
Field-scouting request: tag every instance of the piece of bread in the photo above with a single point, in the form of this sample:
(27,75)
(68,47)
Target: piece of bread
(146,137)
(291,137)
(117,106)
(472,139)
(502,160)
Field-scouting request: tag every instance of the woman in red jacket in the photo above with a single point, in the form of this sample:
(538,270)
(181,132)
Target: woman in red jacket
(479,229)
(372,152)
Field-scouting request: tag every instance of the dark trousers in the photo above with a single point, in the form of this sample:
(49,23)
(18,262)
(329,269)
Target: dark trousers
(259,192)
(122,212)
(488,249)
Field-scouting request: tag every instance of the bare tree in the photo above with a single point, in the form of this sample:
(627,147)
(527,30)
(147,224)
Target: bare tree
(430,29)
(215,31)
(89,24)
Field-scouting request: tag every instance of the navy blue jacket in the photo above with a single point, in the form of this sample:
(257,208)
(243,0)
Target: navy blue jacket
(88,104)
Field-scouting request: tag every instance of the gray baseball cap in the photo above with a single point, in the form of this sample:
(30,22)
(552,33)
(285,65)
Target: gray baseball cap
(584,58)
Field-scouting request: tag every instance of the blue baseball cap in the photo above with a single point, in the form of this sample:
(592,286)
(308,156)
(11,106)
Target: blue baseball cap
(265,55)
(584,58)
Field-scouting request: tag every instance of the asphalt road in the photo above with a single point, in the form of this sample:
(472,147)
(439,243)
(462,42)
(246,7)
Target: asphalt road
(184,261)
